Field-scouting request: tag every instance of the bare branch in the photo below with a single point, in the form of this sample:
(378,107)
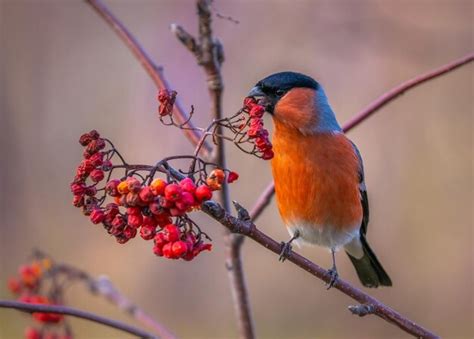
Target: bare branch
(249,229)
(104,286)
(27,307)
(210,55)
(265,198)
(402,88)
(187,39)
(155,72)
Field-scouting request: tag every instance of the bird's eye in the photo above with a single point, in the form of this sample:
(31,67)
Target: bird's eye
(280,92)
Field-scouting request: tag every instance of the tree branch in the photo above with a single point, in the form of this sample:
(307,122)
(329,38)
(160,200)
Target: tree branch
(104,287)
(243,226)
(27,307)
(209,54)
(264,200)
(155,72)
(249,229)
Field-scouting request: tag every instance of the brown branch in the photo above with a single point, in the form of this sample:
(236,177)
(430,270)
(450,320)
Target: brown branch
(402,88)
(104,287)
(209,55)
(376,105)
(27,307)
(155,72)
(243,226)
(249,229)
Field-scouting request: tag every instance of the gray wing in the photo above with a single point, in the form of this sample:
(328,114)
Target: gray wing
(363,193)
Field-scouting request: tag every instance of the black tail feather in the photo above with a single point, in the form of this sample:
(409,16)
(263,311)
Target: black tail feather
(368,268)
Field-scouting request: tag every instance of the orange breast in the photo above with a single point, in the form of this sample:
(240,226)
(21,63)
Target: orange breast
(316,179)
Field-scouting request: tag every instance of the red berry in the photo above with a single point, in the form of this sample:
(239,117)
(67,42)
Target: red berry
(134,210)
(97,175)
(147,232)
(97,216)
(32,333)
(111,187)
(158,251)
(166,203)
(187,200)
(155,208)
(257,111)
(135,220)
(267,155)
(249,102)
(14,285)
(187,185)
(176,212)
(132,199)
(77,188)
(199,247)
(173,192)
(118,221)
(179,248)
(203,193)
(97,159)
(168,251)
(160,240)
(130,232)
(171,232)
(107,165)
(233,176)
(95,146)
(146,195)
(78,200)
(87,166)
(133,184)
(147,220)
(163,219)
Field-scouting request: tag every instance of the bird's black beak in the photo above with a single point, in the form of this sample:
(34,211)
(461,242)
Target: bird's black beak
(262,98)
(256,93)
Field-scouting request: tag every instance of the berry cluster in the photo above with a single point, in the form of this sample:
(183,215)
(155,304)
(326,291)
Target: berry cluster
(27,287)
(166,99)
(256,131)
(143,204)
(50,318)
(28,278)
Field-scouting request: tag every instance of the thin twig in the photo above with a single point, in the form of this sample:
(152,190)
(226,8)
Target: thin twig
(265,198)
(27,307)
(155,72)
(402,88)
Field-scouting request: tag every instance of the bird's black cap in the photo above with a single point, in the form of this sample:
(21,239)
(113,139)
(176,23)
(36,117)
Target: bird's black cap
(287,81)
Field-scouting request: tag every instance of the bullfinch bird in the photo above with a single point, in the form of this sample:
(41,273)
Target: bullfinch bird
(318,174)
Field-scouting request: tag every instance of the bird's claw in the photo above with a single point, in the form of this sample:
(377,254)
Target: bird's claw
(334,276)
(285,250)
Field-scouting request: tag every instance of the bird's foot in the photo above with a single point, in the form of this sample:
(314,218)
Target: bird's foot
(285,250)
(334,276)
(286,247)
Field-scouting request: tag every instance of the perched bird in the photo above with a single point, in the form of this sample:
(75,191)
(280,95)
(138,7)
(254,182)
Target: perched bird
(318,174)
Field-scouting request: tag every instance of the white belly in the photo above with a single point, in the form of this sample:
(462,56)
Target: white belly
(325,236)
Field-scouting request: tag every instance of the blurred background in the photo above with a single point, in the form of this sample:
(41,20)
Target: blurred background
(64,72)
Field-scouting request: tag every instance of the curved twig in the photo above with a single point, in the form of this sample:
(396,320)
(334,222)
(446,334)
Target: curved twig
(27,307)
(155,72)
